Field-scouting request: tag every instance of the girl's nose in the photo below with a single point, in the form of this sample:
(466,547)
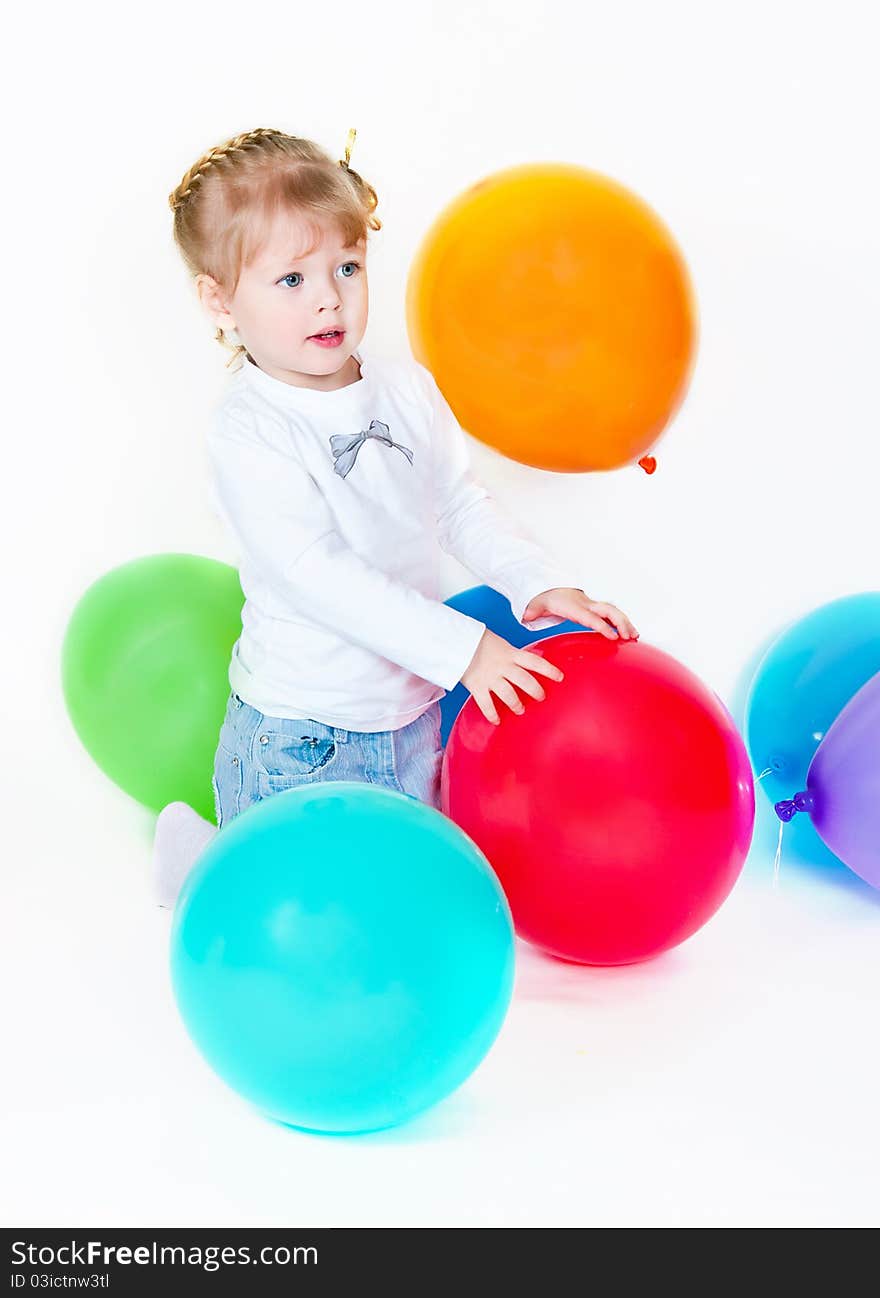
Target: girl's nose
(328,297)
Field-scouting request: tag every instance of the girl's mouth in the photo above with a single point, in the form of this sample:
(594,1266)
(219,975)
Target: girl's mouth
(332,338)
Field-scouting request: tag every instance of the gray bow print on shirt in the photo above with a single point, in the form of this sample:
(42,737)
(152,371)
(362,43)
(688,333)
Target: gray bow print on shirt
(345,447)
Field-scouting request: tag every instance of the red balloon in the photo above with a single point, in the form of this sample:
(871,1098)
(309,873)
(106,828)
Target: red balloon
(617,812)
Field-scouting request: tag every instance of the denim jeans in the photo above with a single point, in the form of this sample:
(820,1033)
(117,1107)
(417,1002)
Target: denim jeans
(259,755)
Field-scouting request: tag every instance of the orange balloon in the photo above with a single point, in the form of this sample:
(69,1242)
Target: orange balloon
(556,313)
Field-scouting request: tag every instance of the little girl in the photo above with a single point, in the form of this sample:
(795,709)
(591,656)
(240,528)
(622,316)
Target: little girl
(337,472)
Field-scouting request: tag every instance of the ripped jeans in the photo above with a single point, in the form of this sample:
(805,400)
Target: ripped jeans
(259,755)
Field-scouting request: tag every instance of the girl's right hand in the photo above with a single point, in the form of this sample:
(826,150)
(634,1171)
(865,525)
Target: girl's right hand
(497,667)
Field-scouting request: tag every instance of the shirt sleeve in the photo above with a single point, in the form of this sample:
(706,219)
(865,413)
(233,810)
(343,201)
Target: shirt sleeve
(283,523)
(477,531)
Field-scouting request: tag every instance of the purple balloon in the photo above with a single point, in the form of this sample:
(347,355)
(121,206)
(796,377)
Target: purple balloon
(843,784)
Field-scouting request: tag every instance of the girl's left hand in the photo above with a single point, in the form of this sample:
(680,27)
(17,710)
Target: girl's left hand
(567,602)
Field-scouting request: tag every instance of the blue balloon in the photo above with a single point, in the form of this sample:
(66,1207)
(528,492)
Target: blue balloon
(486,605)
(805,679)
(342,956)
(801,843)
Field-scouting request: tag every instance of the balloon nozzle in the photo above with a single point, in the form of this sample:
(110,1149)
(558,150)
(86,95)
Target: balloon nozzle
(789,807)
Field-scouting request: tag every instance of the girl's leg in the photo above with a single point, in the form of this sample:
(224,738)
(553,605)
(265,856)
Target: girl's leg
(280,753)
(181,837)
(181,833)
(417,755)
(258,756)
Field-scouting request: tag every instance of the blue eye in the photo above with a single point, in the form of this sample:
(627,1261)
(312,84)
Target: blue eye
(355,264)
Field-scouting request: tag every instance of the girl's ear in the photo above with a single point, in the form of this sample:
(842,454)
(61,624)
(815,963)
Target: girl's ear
(212,301)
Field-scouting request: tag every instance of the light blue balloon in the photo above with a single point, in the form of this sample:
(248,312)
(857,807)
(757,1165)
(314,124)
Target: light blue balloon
(806,677)
(486,605)
(802,844)
(342,956)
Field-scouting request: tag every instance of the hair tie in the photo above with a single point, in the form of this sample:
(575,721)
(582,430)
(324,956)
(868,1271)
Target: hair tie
(343,162)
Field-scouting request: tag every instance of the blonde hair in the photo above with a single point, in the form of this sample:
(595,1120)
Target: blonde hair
(226,202)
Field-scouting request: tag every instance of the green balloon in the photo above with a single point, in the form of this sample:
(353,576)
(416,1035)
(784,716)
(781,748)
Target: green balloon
(144,669)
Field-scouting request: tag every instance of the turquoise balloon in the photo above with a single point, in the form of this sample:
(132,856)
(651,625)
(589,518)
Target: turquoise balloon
(802,843)
(342,956)
(806,677)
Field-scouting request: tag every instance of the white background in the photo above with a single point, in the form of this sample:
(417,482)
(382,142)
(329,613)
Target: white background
(731,1082)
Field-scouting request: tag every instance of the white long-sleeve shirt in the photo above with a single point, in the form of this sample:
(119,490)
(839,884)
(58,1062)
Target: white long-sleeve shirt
(337,501)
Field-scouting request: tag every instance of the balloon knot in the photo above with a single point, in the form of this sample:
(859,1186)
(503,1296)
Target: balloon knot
(789,807)
(648,463)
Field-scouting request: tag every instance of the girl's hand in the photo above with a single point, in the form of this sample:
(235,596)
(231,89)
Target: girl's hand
(497,667)
(565,601)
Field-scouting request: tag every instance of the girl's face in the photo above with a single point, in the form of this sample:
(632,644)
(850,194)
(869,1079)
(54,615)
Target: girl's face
(284,298)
